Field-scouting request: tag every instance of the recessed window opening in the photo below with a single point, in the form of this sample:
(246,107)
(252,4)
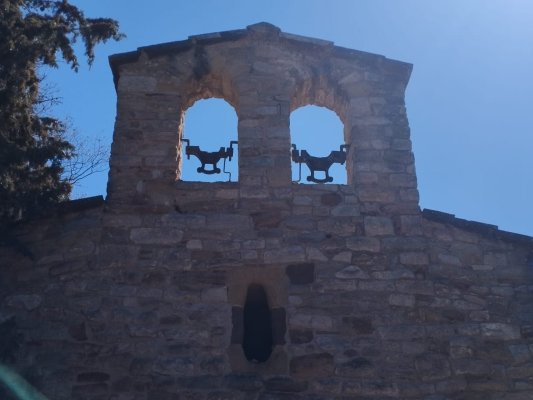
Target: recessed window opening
(209,151)
(257,339)
(317,135)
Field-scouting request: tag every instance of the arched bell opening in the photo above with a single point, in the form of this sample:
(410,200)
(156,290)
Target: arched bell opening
(318,148)
(209,142)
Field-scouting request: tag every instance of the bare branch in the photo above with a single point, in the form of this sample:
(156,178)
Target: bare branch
(89,158)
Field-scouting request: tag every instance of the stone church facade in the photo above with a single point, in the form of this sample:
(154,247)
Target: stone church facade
(156,293)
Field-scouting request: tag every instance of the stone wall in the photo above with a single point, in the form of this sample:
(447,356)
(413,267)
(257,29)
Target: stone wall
(143,297)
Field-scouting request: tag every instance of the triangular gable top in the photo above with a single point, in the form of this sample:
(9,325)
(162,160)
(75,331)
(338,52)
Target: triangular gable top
(261,29)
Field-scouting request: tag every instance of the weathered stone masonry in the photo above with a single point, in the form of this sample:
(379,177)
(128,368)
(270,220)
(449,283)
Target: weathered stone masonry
(142,296)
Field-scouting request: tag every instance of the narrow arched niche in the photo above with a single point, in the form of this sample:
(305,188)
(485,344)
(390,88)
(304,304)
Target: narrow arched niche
(319,131)
(210,124)
(258,339)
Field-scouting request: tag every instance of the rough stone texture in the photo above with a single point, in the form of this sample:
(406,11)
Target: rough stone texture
(142,298)
(301,274)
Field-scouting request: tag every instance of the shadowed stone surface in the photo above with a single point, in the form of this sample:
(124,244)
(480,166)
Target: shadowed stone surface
(301,274)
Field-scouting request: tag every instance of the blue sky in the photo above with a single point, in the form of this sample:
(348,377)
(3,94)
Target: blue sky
(469,100)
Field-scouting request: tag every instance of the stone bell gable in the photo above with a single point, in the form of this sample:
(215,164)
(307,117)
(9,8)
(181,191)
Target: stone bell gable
(264,74)
(264,288)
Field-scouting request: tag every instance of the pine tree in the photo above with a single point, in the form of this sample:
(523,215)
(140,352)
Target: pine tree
(32,146)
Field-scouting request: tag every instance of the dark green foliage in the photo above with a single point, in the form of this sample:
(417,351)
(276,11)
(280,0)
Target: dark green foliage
(32,145)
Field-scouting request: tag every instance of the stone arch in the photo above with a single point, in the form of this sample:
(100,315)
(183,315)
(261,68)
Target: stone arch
(211,85)
(319,90)
(209,124)
(318,130)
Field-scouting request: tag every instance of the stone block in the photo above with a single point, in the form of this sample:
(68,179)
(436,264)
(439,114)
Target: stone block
(452,385)
(314,254)
(412,348)
(320,323)
(156,236)
(254,192)
(371,388)
(330,199)
(345,211)
(82,248)
(495,259)
(253,244)
(227,194)
(78,332)
(243,382)
(301,274)
(378,226)
(524,371)
(402,300)
(194,244)
(520,352)
(300,336)
(357,325)
(500,331)
(412,286)
(299,222)
(471,367)
(410,225)
(402,180)
(401,144)
(249,255)
(361,243)
(301,200)
(215,295)
(267,219)
(142,331)
(136,83)
(94,390)
(410,195)
(352,272)
(235,222)
(312,365)
(376,286)
(479,316)
(285,385)
(27,302)
(396,273)
(414,258)
(93,377)
(284,255)
(433,367)
(355,368)
(279,325)
(336,286)
(343,256)
(181,366)
(402,332)
(338,226)
(237,320)
(449,259)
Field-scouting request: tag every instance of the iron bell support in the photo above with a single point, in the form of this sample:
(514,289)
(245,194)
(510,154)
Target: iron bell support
(319,163)
(210,158)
